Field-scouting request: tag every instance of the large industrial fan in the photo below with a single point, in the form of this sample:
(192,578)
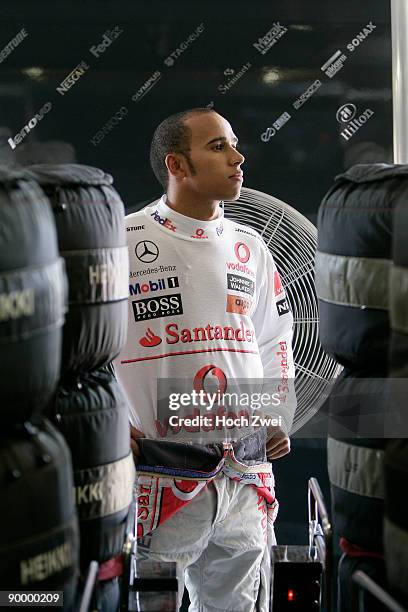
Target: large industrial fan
(292,240)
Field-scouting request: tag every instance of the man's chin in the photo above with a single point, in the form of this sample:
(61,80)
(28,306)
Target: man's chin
(233,195)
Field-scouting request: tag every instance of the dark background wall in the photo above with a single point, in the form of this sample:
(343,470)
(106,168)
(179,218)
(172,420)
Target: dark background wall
(296,164)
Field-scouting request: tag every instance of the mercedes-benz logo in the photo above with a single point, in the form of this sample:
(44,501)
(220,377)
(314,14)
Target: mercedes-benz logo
(146,251)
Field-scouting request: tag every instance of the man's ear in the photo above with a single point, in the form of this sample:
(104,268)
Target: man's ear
(176,165)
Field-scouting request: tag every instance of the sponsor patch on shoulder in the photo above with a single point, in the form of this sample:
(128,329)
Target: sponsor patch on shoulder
(282,307)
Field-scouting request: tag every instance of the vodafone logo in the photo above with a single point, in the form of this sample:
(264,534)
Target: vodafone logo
(242,252)
(150,339)
(205,374)
(199,233)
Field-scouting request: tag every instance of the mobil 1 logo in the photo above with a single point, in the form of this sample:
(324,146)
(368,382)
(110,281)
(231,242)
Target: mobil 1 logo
(157,307)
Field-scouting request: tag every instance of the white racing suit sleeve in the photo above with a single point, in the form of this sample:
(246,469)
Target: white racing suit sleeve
(273,322)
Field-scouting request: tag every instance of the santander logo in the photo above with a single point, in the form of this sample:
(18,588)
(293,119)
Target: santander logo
(150,339)
(208,333)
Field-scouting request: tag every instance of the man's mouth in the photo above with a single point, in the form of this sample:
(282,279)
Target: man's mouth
(238,176)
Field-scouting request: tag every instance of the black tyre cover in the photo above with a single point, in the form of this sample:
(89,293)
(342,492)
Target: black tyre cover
(92,414)
(353,268)
(89,216)
(355,236)
(32,298)
(396,456)
(396,517)
(399,294)
(356,461)
(39,538)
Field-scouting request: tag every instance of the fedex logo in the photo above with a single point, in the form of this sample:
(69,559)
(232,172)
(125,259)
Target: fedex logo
(165,222)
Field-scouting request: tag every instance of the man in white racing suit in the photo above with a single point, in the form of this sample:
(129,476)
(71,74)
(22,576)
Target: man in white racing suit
(206,305)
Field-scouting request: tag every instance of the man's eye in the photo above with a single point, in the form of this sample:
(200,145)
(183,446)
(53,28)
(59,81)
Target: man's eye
(219,147)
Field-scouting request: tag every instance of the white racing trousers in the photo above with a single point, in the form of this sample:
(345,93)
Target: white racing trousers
(220,533)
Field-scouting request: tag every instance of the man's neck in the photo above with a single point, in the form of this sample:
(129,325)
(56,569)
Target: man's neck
(196,208)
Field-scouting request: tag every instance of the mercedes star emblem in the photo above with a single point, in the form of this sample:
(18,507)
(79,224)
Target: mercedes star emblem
(147,251)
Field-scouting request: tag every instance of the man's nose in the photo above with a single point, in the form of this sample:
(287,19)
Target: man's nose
(238,158)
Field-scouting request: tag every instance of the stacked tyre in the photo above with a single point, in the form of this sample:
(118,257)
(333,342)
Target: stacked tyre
(38,526)
(396,456)
(353,264)
(89,407)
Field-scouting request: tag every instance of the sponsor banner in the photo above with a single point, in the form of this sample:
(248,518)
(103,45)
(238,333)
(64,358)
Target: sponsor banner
(135,228)
(277,283)
(108,38)
(361,36)
(32,300)
(110,124)
(156,308)
(282,307)
(225,87)
(72,78)
(150,339)
(307,94)
(147,251)
(242,252)
(159,270)
(49,557)
(97,276)
(105,489)
(158,284)
(238,305)
(147,86)
(13,44)
(19,137)
(174,334)
(245,231)
(277,125)
(271,37)
(164,222)
(200,234)
(238,267)
(183,46)
(241,284)
(334,64)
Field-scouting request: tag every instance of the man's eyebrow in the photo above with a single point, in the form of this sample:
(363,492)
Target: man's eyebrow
(223,139)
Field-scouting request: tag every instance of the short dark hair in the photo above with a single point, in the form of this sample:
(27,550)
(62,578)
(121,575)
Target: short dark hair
(172,136)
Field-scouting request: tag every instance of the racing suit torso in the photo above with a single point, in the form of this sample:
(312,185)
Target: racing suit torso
(204,298)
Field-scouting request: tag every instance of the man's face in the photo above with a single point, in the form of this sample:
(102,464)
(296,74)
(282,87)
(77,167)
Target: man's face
(214,155)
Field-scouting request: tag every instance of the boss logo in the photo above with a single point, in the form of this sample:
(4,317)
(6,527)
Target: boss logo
(155,308)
